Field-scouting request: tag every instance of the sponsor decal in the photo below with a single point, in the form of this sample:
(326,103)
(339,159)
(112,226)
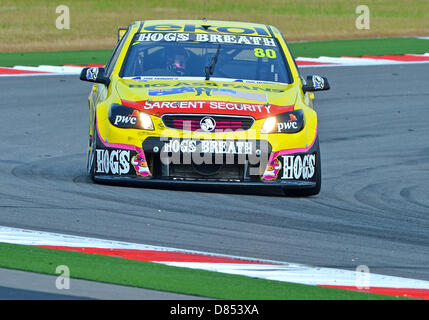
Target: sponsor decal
(92,73)
(206,29)
(291,167)
(158,108)
(272,170)
(208,146)
(203,37)
(298,167)
(123,117)
(115,162)
(207,124)
(180,90)
(140,164)
(125,120)
(208,91)
(236,85)
(318,82)
(291,122)
(159,78)
(211,105)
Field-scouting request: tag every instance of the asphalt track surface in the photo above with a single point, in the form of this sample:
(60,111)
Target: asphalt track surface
(373,208)
(21,285)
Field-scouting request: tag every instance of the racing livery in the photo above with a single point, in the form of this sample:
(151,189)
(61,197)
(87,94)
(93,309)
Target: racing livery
(204,102)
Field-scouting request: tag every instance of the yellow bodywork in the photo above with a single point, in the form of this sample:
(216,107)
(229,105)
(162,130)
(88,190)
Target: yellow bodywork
(287,95)
(120,89)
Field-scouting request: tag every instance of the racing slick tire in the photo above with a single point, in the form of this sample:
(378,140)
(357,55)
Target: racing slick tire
(312,190)
(91,153)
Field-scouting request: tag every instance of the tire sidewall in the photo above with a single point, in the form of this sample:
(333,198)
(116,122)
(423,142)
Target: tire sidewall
(92,153)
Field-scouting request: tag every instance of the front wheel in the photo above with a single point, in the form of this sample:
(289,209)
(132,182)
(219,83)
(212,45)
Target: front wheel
(91,153)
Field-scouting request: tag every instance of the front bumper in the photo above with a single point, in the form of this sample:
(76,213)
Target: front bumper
(260,167)
(177,182)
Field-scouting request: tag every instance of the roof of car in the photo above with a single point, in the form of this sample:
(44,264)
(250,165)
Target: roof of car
(209,26)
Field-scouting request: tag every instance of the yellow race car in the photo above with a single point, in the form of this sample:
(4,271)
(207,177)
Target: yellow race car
(204,102)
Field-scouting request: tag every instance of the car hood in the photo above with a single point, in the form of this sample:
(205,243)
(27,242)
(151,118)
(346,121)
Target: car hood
(158,97)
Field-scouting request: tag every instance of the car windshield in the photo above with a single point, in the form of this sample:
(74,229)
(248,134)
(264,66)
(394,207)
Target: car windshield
(235,57)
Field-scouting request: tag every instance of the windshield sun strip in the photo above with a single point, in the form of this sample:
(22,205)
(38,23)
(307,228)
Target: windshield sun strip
(273,43)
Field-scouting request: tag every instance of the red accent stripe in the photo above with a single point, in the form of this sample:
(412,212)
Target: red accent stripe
(196,128)
(228,126)
(399,292)
(198,122)
(229,122)
(311,63)
(83,66)
(405,58)
(152,255)
(197,125)
(16,71)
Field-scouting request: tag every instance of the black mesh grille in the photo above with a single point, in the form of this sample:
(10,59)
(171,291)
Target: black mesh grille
(192,122)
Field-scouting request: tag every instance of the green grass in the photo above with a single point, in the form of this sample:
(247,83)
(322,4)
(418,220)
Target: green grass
(360,47)
(56,58)
(160,277)
(29,25)
(337,48)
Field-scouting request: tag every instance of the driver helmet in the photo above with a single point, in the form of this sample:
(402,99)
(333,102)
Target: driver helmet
(178,60)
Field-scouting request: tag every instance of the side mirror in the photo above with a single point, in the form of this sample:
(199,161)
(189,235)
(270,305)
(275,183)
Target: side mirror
(94,74)
(315,83)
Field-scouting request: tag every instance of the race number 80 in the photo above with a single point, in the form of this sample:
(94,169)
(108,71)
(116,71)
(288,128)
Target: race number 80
(260,53)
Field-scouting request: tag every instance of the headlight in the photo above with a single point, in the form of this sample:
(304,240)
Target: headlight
(289,122)
(124,117)
(269,125)
(145,121)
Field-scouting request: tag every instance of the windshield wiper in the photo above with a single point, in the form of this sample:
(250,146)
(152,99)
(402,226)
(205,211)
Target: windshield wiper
(209,69)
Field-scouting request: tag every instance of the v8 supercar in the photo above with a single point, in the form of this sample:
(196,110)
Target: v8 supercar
(204,102)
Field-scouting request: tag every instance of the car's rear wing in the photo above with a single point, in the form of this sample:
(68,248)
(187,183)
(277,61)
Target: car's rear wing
(121,32)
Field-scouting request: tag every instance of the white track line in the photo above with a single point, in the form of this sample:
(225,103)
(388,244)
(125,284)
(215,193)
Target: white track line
(309,275)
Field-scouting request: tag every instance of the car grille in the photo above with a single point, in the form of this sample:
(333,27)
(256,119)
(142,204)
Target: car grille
(207,172)
(192,122)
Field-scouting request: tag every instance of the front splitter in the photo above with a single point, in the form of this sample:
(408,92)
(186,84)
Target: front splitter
(160,183)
